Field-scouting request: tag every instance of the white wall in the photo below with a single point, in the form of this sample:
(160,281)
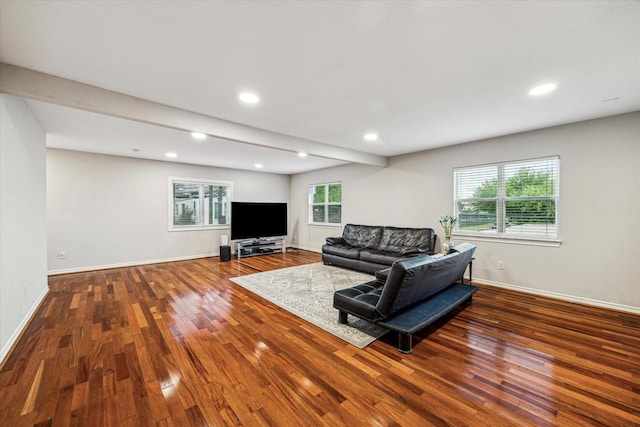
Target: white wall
(109,211)
(599,211)
(23,238)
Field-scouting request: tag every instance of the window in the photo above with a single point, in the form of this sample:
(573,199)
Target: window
(325,203)
(196,203)
(514,199)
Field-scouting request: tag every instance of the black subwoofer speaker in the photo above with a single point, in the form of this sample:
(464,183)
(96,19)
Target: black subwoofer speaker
(225,253)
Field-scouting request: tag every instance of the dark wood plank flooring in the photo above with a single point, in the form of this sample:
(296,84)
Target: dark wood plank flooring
(179,344)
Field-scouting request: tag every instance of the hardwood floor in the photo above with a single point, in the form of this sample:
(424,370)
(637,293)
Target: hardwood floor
(178,344)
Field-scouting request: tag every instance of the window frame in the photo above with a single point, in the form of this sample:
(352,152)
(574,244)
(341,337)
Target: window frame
(326,204)
(202,183)
(502,200)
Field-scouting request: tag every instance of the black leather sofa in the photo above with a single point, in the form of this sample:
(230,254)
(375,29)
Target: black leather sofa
(370,248)
(410,295)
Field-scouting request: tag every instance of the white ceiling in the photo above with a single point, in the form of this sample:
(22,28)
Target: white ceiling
(421,74)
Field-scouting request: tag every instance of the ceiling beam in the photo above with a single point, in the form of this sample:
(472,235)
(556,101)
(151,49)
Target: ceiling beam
(35,85)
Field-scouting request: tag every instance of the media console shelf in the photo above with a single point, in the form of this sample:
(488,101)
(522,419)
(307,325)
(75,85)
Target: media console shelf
(255,247)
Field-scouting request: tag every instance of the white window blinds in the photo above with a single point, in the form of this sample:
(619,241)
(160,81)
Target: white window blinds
(514,199)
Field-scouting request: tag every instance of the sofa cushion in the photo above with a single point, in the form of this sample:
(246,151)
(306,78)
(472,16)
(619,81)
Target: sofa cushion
(362,236)
(360,300)
(379,257)
(350,263)
(406,240)
(335,241)
(342,250)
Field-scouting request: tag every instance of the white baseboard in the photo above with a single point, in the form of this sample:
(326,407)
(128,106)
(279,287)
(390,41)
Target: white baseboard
(25,321)
(127,264)
(563,297)
(307,249)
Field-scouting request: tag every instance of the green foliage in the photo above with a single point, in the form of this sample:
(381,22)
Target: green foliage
(335,193)
(488,190)
(318,194)
(447,222)
(526,183)
(530,183)
(334,196)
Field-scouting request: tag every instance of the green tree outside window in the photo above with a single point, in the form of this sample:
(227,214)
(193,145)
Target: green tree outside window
(514,198)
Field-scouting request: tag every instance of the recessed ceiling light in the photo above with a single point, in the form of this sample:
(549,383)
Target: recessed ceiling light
(172,155)
(198,135)
(302,154)
(543,89)
(249,98)
(371,136)
(259,165)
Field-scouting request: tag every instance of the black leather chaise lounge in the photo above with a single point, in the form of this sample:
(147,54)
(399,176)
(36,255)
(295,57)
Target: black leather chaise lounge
(411,294)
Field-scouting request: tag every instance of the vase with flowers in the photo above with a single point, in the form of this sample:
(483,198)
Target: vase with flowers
(447,222)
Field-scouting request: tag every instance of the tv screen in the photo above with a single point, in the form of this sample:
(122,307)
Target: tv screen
(250,220)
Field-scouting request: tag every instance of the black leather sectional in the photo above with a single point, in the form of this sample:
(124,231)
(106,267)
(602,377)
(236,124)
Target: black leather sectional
(370,248)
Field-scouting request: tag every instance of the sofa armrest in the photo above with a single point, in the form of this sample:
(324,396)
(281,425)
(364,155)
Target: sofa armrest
(415,251)
(383,274)
(335,240)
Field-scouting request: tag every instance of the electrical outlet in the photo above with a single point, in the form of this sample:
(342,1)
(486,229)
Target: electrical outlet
(500,265)
(62,255)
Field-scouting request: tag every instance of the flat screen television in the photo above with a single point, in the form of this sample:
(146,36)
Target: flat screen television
(252,220)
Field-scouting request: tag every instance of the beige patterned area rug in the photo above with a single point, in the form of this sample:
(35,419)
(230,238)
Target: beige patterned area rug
(307,291)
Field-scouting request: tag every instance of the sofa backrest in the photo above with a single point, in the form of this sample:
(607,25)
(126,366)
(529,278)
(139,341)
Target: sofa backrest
(362,236)
(400,240)
(415,279)
(389,239)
